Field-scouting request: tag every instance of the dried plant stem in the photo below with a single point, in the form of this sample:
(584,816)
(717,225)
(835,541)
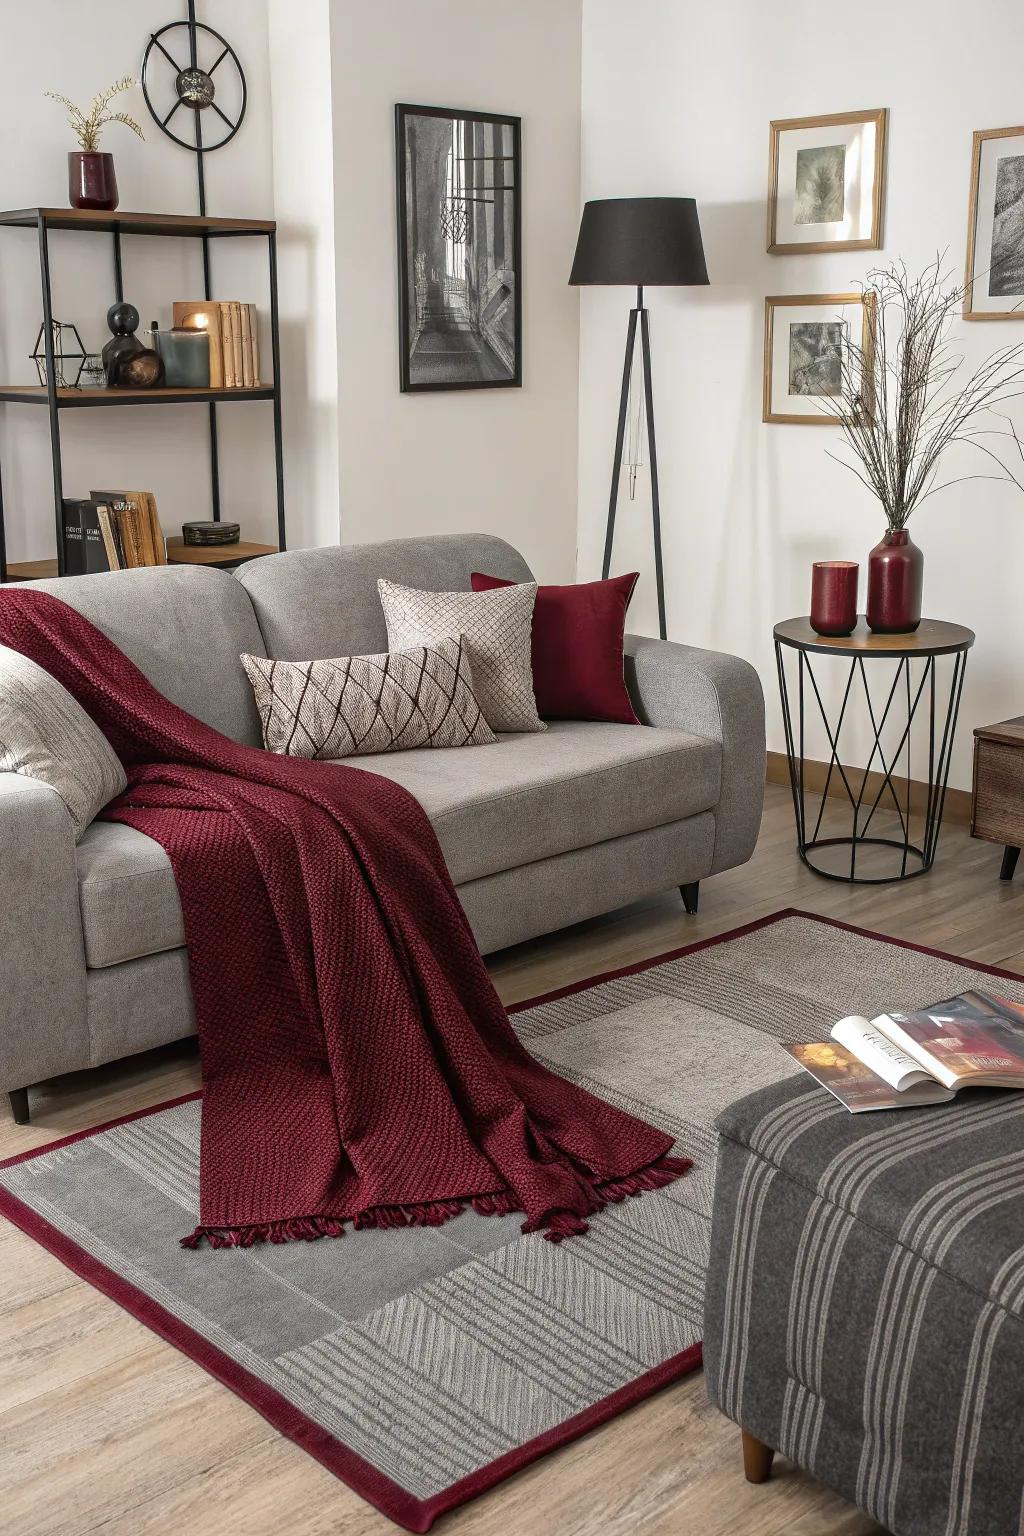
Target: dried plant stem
(902,399)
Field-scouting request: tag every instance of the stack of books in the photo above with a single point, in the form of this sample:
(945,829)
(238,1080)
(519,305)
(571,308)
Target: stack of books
(234,339)
(111,531)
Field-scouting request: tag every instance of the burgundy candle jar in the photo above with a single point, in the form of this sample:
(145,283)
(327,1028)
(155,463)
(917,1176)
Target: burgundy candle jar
(834,596)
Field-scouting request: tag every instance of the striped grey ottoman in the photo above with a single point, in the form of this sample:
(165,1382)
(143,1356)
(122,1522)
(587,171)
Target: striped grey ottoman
(865,1302)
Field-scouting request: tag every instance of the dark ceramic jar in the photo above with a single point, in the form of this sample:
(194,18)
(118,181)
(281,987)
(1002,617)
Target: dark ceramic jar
(91,179)
(895,582)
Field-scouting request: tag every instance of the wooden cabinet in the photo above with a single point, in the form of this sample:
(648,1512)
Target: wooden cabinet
(997,805)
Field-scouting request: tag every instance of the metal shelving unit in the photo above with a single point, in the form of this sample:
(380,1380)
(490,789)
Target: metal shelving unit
(57,399)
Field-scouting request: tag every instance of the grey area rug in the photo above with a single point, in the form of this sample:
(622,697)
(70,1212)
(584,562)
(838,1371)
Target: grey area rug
(423,1365)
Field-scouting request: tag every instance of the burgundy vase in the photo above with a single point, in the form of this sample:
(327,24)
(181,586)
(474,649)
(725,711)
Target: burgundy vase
(895,580)
(91,180)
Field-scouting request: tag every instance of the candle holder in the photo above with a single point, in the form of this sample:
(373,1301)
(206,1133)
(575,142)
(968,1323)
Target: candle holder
(834,596)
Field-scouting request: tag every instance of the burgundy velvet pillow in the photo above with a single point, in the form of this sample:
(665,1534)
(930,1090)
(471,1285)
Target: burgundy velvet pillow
(577,648)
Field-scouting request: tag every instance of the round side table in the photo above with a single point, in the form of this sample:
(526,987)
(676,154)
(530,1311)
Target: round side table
(886,783)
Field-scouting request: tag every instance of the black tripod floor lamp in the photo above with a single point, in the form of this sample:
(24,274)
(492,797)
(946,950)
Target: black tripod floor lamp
(644,242)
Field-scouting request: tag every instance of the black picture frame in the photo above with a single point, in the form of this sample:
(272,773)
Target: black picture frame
(489,354)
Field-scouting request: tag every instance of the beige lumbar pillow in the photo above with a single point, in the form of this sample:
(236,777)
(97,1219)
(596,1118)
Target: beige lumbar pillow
(45,734)
(497,627)
(354,705)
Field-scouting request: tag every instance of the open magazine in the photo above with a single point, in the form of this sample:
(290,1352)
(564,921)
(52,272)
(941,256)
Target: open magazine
(975,1040)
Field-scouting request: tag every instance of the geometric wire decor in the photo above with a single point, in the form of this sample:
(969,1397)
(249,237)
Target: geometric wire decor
(66,359)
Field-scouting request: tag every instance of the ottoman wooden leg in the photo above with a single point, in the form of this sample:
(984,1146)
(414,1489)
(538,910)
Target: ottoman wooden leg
(1010,857)
(757,1459)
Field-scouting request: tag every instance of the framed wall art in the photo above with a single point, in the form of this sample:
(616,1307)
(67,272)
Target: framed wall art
(806,350)
(994,275)
(826,179)
(459,249)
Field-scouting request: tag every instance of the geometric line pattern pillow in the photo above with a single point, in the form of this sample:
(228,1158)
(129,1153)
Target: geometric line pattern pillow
(45,734)
(497,628)
(355,705)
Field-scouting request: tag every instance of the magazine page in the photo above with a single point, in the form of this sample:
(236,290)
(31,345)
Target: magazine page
(973,1038)
(855,1085)
(879,1054)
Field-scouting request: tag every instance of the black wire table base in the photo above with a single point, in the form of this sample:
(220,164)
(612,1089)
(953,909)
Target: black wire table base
(909,698)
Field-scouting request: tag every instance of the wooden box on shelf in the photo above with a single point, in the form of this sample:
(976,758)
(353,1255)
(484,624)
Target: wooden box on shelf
(997,802)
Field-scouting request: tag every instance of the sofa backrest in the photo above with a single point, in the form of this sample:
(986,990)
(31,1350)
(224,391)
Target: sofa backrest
(185,627)
(316,603)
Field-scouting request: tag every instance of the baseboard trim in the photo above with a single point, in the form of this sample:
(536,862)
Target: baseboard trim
(958,801)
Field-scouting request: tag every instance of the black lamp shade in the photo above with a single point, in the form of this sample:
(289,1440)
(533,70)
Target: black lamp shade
(640,241)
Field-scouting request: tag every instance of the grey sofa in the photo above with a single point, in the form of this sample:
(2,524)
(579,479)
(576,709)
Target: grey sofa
(539,831)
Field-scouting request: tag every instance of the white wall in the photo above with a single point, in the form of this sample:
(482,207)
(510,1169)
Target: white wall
(78,50)
(502,460)
(678,102)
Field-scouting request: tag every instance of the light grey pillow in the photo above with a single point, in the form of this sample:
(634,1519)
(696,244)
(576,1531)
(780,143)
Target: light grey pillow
(47,735)
(497,627)
(353,705)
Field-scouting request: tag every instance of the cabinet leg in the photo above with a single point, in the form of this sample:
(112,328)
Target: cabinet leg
(19,1105)
(1009,864)
(691,895)
(757,1459)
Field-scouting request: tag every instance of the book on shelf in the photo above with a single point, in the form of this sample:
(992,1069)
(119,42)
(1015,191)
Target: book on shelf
(897,1060)
(85,549)
(134,515)
(232,328)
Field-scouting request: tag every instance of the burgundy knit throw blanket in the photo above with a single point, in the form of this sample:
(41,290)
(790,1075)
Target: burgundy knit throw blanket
(358,1065)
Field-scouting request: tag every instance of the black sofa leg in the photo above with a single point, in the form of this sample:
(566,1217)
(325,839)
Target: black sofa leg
(19,1105)
(691,895)
(1010,857)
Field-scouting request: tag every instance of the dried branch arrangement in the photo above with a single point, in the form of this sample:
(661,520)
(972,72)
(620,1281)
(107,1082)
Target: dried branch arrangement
(87,126)
(903,399)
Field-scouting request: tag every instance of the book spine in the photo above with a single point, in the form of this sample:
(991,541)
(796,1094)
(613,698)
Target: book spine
(74,550)
(254,332)
(236,342)
(109,541)
(93,548)
(227,349)
(156,532)
(246,333)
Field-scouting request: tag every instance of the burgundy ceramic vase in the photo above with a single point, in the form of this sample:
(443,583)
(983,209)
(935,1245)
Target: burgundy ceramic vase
(895,580)
(91,180)
(834,597)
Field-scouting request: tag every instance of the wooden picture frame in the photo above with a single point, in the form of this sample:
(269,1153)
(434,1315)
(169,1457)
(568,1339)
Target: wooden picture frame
(770,402)
(981,205)
(857,204)
(459,218)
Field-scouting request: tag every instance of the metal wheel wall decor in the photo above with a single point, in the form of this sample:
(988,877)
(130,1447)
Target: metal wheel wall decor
(190,68)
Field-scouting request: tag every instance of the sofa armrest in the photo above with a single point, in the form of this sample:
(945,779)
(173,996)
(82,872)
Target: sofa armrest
(43,1020)
(709,694)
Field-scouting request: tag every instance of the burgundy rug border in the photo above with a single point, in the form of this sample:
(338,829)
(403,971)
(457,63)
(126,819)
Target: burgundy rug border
(358,1474)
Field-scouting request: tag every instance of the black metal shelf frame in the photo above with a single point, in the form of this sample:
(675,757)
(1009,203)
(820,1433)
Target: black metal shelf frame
(44,220)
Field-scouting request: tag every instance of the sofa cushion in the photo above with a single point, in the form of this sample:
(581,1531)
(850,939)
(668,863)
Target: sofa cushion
(185,628)
(576,784)
(493,808)
(324,602)
(128,897)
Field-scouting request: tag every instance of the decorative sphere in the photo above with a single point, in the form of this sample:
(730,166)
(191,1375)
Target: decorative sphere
(123,319)
(143,370)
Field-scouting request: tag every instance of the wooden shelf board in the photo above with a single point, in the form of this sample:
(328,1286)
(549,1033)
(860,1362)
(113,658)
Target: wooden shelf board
(107,221)
(180,553)
(77,399)
(30,570)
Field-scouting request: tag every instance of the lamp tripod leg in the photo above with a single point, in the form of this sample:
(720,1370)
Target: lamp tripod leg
(659,570)
(620,437)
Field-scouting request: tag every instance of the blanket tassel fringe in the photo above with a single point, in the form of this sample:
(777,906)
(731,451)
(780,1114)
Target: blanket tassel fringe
(556,1225)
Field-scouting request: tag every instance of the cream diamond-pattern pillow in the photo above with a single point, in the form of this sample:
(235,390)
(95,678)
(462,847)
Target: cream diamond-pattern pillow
(354,705)
(496,627)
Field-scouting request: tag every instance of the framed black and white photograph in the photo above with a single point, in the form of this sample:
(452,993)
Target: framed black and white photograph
(459,249)
(806,350)
(826,180)
(994,277)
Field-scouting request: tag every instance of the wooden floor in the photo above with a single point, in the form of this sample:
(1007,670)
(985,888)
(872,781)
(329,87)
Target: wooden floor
(104,1428)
